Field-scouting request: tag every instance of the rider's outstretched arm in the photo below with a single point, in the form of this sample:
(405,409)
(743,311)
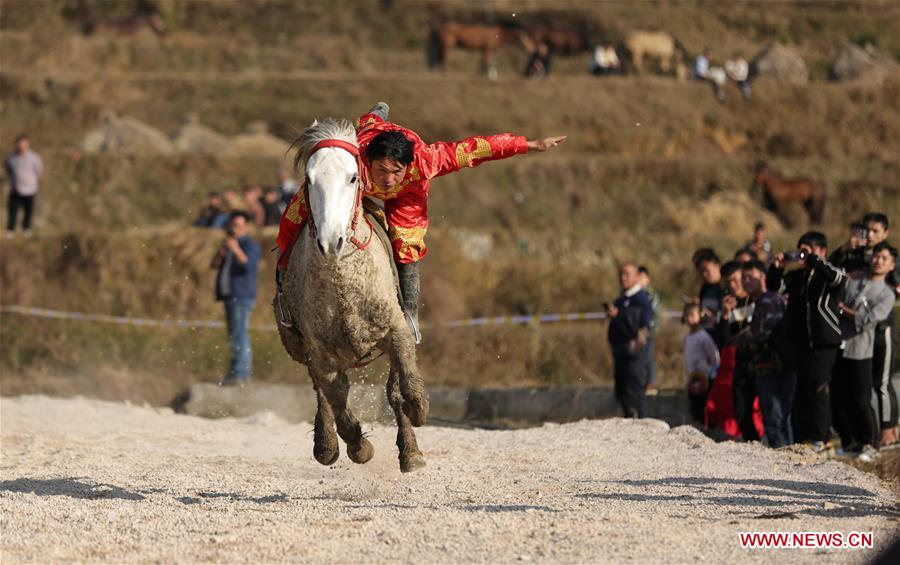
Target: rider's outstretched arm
(440,158)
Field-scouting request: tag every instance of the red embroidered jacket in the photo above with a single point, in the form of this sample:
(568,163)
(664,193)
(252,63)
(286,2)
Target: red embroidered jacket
(406,205)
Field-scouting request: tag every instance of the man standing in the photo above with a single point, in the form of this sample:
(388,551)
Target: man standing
(867,301)
(398,167)
(708,266)
(764,339)
(629,330)
(237,262)
(24,169)
(813,328)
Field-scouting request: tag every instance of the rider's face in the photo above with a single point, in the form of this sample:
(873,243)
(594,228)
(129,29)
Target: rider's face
(387,173)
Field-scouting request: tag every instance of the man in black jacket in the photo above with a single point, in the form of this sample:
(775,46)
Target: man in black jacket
(813,328)
(629,329)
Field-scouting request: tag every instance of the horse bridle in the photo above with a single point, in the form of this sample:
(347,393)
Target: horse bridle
(361,184)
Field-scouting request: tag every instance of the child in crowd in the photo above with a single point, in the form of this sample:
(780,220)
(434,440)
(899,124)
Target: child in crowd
(701,361)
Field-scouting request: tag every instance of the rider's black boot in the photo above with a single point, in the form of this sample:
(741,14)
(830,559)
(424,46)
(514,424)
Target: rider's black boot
(381,110)
(409,287)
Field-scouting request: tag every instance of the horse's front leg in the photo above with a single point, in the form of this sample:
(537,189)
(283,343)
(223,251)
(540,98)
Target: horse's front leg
(325,443)
(402,350)
(359,449)
(410,456)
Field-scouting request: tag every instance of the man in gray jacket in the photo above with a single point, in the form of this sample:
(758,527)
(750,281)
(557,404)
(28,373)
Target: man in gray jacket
(867,301)
(24,168)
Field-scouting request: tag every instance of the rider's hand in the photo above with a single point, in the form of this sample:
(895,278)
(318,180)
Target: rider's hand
(546,143)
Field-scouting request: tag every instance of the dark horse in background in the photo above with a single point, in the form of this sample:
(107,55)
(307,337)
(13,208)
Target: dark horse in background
(561,41)
(487,38)
(779,193)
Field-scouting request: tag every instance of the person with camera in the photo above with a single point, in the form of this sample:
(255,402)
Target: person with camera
(629,330)
(770,358)
(814,289)
(867,300)
(237,262)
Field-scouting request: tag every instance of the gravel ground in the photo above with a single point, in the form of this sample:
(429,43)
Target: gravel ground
(87,480)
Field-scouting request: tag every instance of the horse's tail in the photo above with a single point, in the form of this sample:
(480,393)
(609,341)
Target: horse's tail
(434,50)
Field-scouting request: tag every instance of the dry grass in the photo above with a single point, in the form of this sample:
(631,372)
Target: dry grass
(652,169)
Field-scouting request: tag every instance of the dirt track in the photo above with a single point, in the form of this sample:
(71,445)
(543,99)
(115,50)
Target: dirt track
(92,481)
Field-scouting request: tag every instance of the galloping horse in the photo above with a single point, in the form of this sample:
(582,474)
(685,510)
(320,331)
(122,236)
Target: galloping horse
(484,37)
(339,291)
(780,192)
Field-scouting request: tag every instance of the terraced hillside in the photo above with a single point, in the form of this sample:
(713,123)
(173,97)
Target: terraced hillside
(652,169)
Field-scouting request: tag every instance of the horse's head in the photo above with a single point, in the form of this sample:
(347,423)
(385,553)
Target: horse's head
(332,180)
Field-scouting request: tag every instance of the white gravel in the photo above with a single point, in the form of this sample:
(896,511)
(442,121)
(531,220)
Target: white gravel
(85,480)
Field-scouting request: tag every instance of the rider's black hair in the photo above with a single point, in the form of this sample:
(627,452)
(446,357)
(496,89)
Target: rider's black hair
(391,145)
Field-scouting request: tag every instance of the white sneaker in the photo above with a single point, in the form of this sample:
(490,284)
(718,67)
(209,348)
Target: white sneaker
(868,454)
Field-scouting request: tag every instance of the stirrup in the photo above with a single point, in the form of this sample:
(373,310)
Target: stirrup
(284,318)
(413,327)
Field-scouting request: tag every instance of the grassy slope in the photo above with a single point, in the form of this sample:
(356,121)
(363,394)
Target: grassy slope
(646,152)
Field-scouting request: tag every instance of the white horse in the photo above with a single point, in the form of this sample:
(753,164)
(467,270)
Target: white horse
(340,293)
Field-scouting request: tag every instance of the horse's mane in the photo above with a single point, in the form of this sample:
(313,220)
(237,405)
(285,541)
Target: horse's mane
(328,128)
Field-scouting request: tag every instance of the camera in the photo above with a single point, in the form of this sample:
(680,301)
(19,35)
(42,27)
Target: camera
(229,231)
(796,255)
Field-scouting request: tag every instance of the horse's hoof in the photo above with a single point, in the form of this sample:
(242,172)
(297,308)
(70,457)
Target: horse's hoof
(417,414)
(361,452)
(326,456)
(411,463)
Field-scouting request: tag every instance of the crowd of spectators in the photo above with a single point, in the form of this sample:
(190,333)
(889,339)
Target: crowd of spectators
(781,347)
(237,260)
(263,206)
(735,69)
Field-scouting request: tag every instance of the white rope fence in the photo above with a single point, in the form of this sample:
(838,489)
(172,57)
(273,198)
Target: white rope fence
(178,323)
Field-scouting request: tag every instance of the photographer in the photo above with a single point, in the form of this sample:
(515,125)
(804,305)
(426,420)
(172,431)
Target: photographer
(814,290)
(629,330)
(867,301)
(852,255)
(236,262)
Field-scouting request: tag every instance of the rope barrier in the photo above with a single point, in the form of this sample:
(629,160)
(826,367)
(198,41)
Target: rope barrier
(178,323)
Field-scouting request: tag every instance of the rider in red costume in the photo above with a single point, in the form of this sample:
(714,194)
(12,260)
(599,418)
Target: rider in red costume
(400,166)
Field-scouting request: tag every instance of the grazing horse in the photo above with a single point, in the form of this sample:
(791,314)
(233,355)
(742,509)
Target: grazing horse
(659,45)
(560,41)
(483,37)
(339,292)
(780,192)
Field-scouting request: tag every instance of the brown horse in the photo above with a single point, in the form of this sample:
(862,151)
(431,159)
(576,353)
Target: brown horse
(483,37)
(780,192)
(560,41)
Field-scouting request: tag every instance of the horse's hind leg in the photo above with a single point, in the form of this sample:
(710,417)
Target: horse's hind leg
(359,449)
(410,456)
(412,386)
(325,443)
